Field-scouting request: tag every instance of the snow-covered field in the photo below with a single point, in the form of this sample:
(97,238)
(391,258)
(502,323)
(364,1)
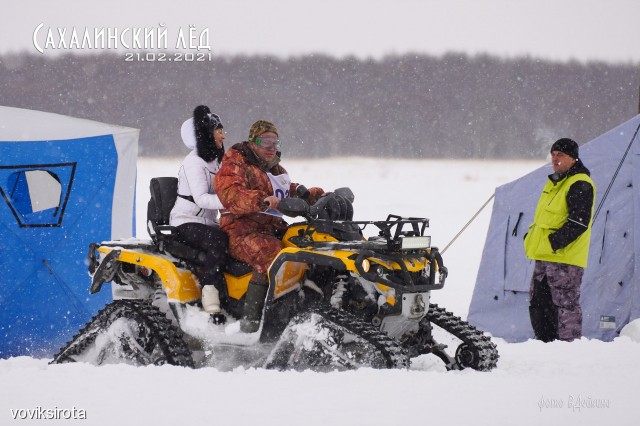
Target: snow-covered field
(584,382)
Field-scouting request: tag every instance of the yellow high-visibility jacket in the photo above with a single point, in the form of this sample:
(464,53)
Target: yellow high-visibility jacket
(551,214)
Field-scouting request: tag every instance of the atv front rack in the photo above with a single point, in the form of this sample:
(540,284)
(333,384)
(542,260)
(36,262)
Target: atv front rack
(417,224)
(396,234)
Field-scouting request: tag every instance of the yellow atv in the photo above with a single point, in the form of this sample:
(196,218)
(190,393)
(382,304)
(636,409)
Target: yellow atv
(336,300)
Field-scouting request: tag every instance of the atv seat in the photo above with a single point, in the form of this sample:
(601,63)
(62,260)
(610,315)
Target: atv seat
(164,191)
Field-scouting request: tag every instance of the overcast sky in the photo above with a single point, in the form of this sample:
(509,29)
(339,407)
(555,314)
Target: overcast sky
(606,30)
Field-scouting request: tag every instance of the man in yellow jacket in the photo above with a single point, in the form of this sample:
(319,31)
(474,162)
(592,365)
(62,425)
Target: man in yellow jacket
(558,241)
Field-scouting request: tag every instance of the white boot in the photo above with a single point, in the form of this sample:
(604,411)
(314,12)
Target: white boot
(210,299)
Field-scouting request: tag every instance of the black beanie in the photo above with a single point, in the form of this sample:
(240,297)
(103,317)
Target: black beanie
(566,145)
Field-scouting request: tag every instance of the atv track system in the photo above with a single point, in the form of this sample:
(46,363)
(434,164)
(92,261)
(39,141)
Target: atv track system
(326,339)
(476,351)
(127,331)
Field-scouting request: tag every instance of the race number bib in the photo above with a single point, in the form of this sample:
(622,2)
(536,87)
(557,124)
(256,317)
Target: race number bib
(280,184)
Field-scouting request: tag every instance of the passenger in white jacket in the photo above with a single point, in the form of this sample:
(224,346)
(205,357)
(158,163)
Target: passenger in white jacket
(195,213)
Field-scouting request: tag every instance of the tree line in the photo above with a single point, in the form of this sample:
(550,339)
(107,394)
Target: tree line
(408,106)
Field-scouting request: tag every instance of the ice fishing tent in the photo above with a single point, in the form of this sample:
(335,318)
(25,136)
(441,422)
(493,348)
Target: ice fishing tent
(64,182)
(610,295)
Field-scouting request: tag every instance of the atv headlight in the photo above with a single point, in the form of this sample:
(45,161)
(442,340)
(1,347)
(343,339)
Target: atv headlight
(409,243)
(366,265)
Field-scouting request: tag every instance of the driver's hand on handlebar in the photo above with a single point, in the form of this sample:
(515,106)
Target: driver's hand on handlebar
(272,202)
(314,195)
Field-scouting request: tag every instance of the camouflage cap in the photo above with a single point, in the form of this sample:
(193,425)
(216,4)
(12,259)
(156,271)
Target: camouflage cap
(260,127)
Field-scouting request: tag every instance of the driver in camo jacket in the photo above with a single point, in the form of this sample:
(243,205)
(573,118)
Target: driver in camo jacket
(250,183)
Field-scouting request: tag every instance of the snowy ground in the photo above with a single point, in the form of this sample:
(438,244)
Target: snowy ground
(584,382)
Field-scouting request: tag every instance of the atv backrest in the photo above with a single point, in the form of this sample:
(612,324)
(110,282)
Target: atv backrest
(164,191)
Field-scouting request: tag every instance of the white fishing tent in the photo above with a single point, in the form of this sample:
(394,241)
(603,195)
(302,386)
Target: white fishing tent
(610,296)
(64,183)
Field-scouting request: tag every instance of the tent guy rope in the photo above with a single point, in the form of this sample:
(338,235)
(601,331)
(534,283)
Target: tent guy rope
(468,223)
(615,175)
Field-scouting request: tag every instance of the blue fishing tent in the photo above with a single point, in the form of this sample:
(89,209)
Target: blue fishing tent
(610,293)
(64,182)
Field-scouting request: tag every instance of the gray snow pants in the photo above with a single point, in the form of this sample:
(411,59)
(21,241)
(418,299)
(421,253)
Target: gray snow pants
(554,301)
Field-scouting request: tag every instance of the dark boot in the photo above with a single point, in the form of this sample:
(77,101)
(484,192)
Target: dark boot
(253,303)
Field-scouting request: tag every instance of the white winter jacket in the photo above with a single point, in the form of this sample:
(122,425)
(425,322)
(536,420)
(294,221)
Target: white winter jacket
(195,182)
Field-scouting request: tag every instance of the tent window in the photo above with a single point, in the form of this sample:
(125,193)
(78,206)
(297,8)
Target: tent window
(34,191)
(37,194)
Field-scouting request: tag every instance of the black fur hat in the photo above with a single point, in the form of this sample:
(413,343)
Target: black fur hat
(204,121)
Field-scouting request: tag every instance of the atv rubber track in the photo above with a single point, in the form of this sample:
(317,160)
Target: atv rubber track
(479,352)
(393,354)
(167,337)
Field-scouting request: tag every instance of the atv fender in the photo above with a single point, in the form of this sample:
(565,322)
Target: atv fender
(180,284)
(106,270)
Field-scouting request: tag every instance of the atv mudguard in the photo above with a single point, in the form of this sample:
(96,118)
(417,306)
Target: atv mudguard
(180,284)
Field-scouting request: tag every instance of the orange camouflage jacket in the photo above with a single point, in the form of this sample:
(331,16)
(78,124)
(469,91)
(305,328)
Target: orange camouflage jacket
(242,185)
